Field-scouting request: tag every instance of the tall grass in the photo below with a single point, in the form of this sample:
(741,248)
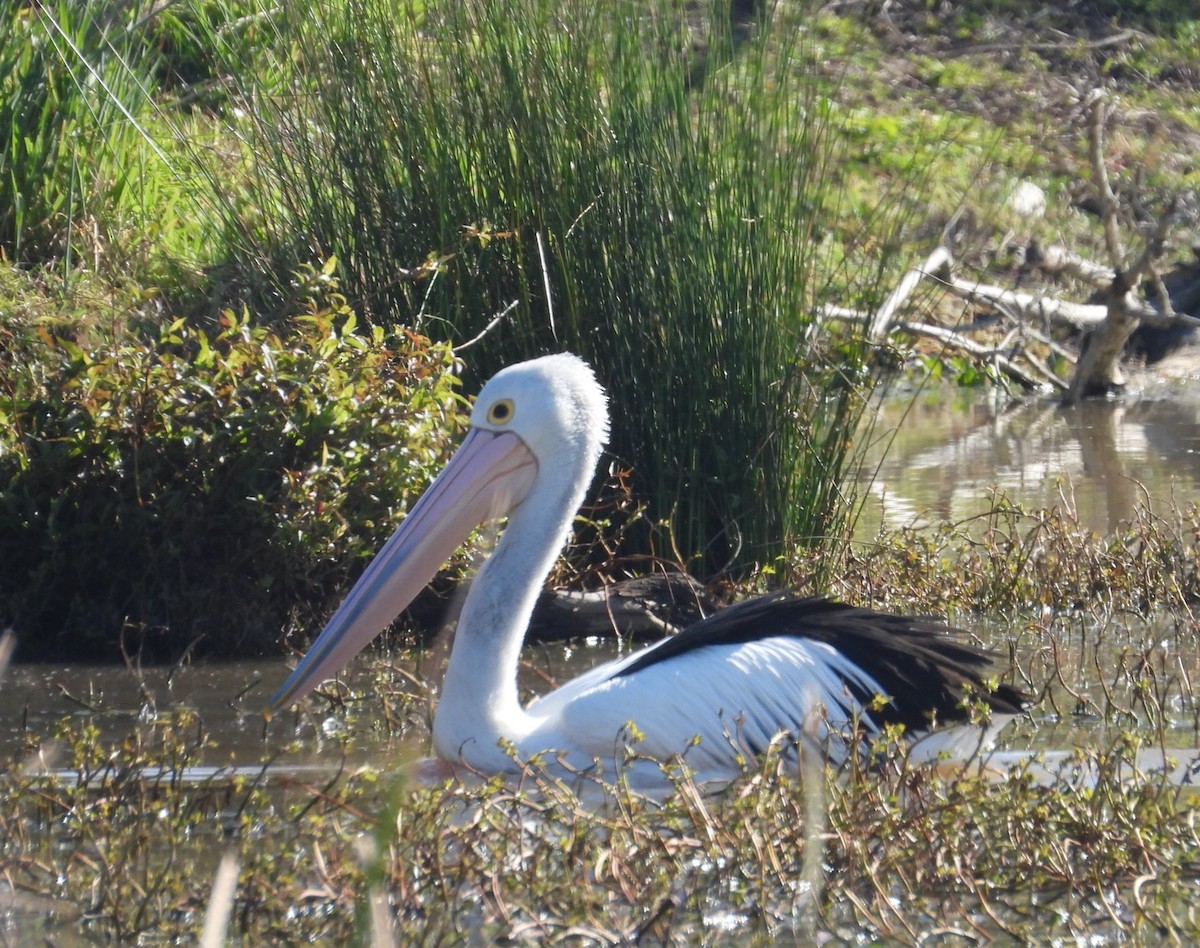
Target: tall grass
(110,155)
(67,98)
(653,207)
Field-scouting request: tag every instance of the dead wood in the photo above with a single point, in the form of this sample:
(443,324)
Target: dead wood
(882,319)
(1098,371)
(650,606)
(1107,320)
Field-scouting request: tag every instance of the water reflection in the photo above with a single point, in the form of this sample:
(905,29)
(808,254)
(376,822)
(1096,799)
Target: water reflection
(229,699)
(947,453)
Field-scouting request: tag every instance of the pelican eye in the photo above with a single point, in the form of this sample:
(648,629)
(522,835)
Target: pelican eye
(501,412)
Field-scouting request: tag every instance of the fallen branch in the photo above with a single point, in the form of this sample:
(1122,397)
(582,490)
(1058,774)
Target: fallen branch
(1116,311)
(1003,362)
(1051,309)
(882,320)
(1000,356)
(1029,306)
(1059,260)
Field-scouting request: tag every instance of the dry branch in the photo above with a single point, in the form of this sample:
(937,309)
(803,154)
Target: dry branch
(997,355)
(1098,371)
(882,319)
(1109,320)
(1059,260)
(1002,356)
(1032,307)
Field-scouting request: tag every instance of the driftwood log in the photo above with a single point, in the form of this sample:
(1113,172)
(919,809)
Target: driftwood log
(650,606)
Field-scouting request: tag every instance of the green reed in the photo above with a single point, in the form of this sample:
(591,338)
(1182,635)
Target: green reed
(648,191)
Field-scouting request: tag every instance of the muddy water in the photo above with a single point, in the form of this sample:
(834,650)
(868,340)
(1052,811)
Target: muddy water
(229,699)
(941,456)
(946,452)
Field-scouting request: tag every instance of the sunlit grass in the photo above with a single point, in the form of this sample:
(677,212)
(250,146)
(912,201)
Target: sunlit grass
(102,171)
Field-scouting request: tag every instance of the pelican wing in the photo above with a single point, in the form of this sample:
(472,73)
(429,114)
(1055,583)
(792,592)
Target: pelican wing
(923,668)
(773,664)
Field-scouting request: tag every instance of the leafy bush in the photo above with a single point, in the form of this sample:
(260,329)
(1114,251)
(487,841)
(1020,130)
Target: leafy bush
(215,487)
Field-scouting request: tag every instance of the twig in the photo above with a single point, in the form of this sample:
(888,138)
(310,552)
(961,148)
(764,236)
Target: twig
(8,645)
(1104,191)
(486,329)
(1072,43)
(1156,245)
(1061,351)
(956,340)
(220,902)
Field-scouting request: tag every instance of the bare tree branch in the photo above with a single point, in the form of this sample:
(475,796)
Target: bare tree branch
(882,319)
(1098,111)
(1059,260)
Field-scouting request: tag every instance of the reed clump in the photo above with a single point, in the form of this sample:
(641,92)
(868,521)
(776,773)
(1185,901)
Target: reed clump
(618,191)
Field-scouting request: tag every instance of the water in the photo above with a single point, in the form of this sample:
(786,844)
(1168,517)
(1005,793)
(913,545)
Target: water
(230,700)
(228,697)
(952,449)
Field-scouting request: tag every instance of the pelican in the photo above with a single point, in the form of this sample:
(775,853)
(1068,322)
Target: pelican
(714,695)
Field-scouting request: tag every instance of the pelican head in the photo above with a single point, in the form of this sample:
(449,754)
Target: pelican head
(540,422)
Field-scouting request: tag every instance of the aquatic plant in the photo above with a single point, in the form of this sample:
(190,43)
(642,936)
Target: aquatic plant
(1009,558)
(121,843)
(645,187)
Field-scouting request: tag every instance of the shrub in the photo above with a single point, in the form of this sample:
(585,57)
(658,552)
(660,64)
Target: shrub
(207,490)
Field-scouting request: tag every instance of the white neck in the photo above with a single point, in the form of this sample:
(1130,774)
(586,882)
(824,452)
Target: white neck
(479,704)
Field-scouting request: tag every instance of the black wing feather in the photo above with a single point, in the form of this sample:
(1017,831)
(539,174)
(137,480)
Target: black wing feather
(924,667)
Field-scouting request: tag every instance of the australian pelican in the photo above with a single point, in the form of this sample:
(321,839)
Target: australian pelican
(716,693)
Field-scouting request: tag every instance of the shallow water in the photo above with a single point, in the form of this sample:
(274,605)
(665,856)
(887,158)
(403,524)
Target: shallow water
(941,456)
(230,699)
(950,451)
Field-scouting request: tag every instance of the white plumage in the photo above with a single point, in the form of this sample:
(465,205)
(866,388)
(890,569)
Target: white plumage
(718,693)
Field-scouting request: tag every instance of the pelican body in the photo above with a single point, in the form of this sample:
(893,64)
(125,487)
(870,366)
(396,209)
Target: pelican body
(715,694)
